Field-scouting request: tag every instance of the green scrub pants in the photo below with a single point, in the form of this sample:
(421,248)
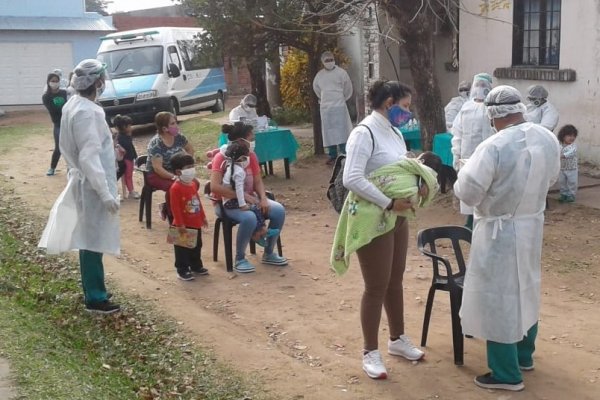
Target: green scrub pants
(504,359)
(469,222)
(92,276)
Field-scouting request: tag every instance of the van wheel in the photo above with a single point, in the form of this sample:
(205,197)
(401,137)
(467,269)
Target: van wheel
(219,104)
(173,109)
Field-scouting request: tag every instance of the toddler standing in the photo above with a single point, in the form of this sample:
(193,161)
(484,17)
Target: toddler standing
(568,164)
(187,212)
(123,123)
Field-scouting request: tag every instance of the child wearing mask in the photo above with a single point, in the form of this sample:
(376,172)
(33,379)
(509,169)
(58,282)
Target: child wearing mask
(568,164)
(237,160)
(188,213)
(123,123)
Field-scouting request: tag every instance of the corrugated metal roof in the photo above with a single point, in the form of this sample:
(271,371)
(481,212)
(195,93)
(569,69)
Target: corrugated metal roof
(53,24)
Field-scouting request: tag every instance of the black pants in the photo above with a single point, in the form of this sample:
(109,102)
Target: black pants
(56,152)
(186,258)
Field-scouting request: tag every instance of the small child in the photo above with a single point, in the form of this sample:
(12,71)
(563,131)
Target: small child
(123,124)
(187,213)
(568,164)
(237,159)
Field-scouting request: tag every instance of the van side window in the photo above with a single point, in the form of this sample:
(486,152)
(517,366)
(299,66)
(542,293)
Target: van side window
(196,56)
(173,56)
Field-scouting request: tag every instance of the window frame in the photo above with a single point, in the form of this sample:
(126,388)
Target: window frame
(548,12)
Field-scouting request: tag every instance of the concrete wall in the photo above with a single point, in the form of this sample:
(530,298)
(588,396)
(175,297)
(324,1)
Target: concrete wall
(486,44)
(42,8)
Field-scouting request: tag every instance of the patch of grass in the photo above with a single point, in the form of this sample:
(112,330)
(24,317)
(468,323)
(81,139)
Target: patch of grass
(204,135)
(10,135)
(291,116)
(217,115)
(57,351)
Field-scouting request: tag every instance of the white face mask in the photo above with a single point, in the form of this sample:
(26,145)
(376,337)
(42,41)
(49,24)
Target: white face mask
(54,85)
(244,164)
(329,65)
(188,175)
(251,143)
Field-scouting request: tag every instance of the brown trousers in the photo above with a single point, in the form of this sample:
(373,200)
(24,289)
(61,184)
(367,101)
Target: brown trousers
(382,263)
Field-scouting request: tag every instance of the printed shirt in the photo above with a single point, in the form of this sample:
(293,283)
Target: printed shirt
(157,148)
(54,103)
(185,205)
(569,152)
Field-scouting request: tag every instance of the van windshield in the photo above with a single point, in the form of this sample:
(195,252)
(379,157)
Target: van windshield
(135,61)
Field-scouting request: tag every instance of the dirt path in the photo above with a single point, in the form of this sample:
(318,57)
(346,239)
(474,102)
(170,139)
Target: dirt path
(297,328)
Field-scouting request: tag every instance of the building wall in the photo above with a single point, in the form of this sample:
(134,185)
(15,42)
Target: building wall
(42,8)
(486,44)
(84,44)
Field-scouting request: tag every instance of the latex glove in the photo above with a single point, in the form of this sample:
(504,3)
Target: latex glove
(110,203)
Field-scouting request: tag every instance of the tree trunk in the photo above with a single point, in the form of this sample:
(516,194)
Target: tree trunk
(274,79)
(259,86)
(314,61)
(420,50)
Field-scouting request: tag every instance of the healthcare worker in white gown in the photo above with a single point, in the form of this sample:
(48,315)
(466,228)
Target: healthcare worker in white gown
(471,127)
(456,103)
(506,180)
(85,216)
(333,87)
(539,110)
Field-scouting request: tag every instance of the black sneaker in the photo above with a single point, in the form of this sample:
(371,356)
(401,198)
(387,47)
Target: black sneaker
(185,275)
(102,307)
(487,381)
(200,271)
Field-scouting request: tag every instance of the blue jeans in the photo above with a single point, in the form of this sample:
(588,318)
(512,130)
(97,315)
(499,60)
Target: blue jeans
(247,225)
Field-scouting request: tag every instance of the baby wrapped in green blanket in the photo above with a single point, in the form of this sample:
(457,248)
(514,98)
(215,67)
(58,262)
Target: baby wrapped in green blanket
(362,221)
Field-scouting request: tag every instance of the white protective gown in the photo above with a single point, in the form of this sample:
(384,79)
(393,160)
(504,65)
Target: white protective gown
(87,146)
(334,88)
(506,180)
(238,112)
(452,108)
(545,115)
(470,127)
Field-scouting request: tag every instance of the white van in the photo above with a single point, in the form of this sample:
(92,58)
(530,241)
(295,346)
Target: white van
(160,69)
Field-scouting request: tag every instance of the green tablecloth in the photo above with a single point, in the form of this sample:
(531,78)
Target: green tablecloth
(273,144)
(442,146)
(412,137)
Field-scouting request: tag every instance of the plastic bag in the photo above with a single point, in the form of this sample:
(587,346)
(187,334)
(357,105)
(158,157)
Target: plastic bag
(58,232)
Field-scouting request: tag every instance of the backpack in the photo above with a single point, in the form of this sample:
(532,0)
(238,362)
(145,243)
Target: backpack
(336,192)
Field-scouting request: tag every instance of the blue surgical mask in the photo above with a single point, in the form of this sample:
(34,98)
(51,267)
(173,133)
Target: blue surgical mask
(398,116)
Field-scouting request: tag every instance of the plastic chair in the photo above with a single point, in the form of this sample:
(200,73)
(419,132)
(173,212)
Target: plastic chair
(228,225)
(147,190)
(451,281)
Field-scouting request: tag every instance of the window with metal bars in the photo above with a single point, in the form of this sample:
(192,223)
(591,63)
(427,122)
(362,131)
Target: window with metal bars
(536,36)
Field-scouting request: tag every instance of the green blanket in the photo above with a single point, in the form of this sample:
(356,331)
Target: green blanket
(362,221)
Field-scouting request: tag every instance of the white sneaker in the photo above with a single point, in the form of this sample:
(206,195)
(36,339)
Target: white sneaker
(373,365)
(134,195)
(119,198)
(404,347)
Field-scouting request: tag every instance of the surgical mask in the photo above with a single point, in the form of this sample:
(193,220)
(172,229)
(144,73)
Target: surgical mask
(251,143)
(479,93)
(329,65)
(54,85)
(247,108)
(173,130)
(536,102)
(100,90)
(464,94)
(188,175)
(398,116)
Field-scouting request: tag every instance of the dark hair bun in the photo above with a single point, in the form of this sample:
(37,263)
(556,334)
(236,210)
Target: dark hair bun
(226,128)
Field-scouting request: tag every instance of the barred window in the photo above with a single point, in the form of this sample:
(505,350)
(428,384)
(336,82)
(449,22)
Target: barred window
(536,36)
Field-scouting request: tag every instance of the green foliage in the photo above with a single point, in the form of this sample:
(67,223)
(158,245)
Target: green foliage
(98,6)
(295,86)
